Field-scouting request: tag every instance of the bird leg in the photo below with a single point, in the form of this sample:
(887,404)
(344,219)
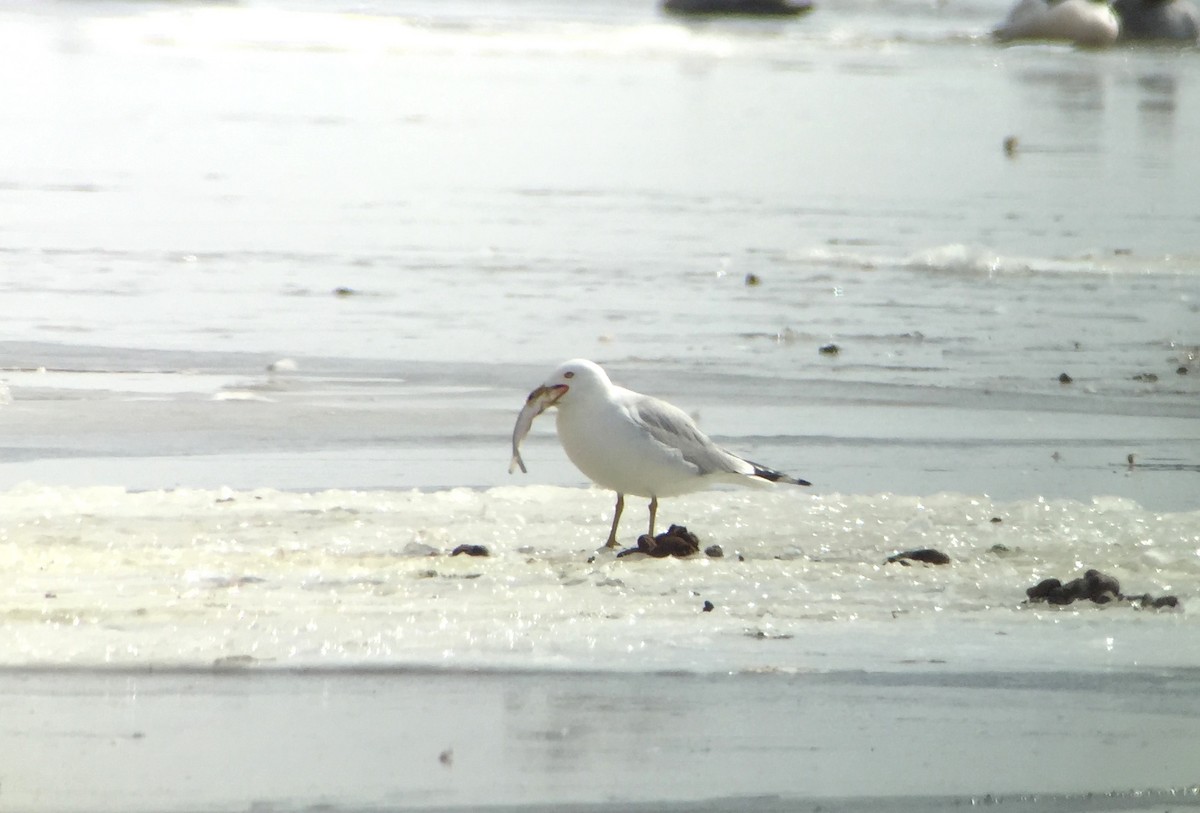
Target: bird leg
(653,513)
(612,535)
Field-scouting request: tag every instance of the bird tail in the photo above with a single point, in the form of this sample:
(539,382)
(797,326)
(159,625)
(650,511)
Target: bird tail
(773,476)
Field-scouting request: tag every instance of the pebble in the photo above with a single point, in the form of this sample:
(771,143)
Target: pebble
(470,550)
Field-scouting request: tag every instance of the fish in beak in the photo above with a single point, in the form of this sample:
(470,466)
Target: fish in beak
(538,402)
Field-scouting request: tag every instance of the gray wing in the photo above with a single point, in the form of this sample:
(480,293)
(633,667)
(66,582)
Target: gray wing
(671,426)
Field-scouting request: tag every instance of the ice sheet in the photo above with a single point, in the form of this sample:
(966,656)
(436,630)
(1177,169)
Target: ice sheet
(99,576)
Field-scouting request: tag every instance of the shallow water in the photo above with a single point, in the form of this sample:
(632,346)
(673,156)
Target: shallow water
(501,741)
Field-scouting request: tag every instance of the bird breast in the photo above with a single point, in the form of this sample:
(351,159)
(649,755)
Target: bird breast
(616,452)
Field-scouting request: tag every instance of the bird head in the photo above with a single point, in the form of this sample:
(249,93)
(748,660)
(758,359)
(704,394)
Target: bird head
(575,376)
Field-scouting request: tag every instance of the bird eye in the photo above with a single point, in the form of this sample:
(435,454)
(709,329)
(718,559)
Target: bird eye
(569,374)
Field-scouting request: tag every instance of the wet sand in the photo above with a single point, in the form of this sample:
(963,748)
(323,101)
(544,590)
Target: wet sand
(233,739)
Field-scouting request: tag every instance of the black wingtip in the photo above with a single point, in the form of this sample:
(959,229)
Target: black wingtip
(777,476)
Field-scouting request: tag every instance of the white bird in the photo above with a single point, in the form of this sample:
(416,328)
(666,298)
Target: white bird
(632,443)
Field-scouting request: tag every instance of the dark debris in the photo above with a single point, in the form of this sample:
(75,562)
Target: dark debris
(927,555)
(1094,586)
(677,541)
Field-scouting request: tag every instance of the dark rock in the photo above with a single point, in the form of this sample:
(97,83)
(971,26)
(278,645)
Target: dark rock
(676,541)
(1065,379)
(470,550)
(1092,585)
(1181,370)
(708,607)
(1060,595)
(753,280)
(1042,590)
(1148,600)
(1099,584)
(645,544)
(927,555)
(1147,377)
(714,551)
(1074,590)
(685,534)
(995,520)
(672,545)
(829,350)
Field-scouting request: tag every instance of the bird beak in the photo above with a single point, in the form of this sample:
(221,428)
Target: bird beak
(545,397)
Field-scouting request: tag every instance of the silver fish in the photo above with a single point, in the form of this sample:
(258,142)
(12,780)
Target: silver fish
(538,402)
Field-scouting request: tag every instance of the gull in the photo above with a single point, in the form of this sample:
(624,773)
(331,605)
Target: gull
(632,443)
